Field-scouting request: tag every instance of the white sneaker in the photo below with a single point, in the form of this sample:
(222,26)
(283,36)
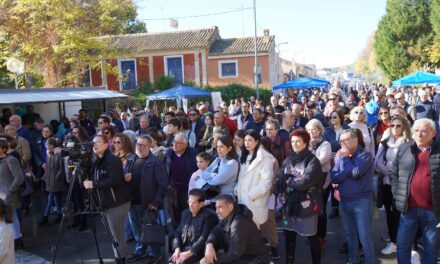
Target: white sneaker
(389,249)
(415,257)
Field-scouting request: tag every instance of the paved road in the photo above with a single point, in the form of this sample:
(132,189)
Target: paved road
(77,247)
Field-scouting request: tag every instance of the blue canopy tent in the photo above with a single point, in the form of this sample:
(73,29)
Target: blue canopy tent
(302,83)
(418,77)
(179,93)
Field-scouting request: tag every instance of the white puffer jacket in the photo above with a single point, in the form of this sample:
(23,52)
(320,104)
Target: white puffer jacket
(254,185)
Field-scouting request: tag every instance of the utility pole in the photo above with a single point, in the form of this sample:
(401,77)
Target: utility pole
(256,52)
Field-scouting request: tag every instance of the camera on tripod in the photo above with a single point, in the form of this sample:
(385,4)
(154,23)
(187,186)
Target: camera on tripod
(77,151)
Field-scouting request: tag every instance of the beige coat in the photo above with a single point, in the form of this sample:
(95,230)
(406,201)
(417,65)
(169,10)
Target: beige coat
(24,149)
(254,185)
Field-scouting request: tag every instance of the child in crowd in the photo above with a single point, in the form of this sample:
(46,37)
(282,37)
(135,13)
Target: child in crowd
(204,159)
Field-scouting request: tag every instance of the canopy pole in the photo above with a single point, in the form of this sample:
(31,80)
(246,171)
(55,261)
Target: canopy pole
(255,51)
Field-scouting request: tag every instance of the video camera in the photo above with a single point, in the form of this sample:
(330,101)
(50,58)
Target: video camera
(77,151)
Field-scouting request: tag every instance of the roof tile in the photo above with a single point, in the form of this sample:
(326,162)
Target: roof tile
(240,46)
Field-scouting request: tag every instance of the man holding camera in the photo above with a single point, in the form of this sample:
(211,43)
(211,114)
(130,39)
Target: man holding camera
(148,184)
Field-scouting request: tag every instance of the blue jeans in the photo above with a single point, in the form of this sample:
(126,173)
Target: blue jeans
(357,216)
(406,233)
(135,217)
(16,225)
(53,198)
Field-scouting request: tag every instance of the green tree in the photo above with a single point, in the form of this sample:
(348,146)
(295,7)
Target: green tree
(55,37)
(434,49)
(402,36)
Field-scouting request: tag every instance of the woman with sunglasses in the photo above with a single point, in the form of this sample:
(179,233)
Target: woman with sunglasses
(123,147)
(110,132)
(383,123)
(400,133)
(358,116)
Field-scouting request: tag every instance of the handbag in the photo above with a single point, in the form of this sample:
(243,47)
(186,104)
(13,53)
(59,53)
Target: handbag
(151,231)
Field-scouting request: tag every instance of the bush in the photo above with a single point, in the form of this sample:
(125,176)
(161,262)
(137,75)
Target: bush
(162,83)
(235,90)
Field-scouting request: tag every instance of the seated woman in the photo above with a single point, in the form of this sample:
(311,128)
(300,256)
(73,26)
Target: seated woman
(223,171)
(193,231)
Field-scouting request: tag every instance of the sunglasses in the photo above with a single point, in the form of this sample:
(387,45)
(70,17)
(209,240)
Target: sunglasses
(398,98)
(395,125)
(192,114)
(334,117)
(106,133)
(117,142)
(363,98)
(383,113)
(332,99)
(358,113)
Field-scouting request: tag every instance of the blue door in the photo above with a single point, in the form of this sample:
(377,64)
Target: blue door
(128,75)
(175,70)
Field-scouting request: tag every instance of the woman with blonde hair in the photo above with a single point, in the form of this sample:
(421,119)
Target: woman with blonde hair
(358,116)
(323,152)
(400,132)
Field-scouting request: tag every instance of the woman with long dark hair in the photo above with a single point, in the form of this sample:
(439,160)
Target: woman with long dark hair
(255,180)
(223,171)
(299,181)
(383,123)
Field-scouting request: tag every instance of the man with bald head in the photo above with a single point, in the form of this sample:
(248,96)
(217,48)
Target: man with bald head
(416,190)
(287,124)
(180,162)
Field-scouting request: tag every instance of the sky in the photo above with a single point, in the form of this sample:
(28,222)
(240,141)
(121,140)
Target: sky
(327,33)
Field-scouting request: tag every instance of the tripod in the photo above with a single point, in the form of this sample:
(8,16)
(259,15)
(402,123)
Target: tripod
(93,209)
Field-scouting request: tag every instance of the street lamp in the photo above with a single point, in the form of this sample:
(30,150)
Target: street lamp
(255,52)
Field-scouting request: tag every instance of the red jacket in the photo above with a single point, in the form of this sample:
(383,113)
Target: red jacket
(231,125)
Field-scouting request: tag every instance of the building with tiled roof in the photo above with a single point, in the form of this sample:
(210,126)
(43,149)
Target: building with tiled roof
(198,55)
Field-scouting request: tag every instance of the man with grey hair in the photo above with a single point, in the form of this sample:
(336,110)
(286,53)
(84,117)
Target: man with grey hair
(23,148)
(23,132)
(180,163)
(424,107)
(416,190)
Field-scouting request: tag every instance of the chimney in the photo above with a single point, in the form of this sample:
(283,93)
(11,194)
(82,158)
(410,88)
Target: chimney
(266,35)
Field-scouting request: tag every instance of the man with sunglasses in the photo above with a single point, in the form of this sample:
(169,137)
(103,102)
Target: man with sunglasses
(332,105)
(400,100)
(148,184)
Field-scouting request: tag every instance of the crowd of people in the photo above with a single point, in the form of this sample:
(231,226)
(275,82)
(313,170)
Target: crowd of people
(223,181)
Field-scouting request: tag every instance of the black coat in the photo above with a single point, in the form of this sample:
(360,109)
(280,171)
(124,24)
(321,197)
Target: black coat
(402,173)
(239,237)
(300,178)
(154,181)
(108,180)
(194,232)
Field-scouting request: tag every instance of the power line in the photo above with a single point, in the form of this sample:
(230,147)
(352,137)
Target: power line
(201,15)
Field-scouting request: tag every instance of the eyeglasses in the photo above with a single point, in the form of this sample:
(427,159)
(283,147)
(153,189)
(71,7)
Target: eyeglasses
(358,113)
(383,113)
(395,125)
(192,114)
(334,117)
(117,142)
(141,145)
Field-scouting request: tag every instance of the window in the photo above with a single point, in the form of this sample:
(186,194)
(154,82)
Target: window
(128,74)
(228,69)
(174,68)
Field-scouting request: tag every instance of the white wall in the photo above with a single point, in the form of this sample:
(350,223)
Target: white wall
(72,108)
(48,111)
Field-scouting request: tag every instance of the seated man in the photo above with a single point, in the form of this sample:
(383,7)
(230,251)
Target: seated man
(193,231)
(236,234)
